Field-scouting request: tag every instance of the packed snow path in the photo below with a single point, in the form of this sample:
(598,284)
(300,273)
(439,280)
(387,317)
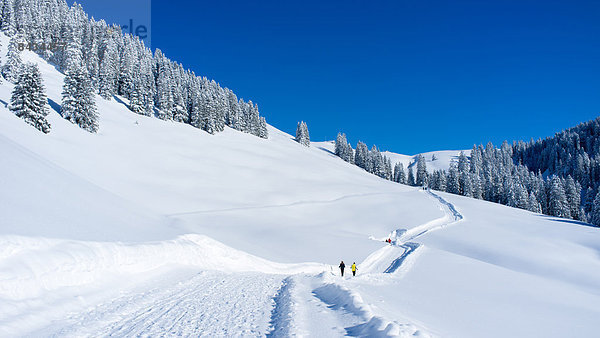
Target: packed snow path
(207,304)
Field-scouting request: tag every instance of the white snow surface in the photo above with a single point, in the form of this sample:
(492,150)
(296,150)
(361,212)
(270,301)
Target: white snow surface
(153,228)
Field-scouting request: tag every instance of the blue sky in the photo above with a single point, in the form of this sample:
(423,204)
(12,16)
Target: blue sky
(409,76)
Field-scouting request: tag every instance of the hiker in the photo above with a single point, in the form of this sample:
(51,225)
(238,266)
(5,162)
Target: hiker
(353,269)
(342,266)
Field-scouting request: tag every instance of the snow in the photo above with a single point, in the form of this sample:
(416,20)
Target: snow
(157,228)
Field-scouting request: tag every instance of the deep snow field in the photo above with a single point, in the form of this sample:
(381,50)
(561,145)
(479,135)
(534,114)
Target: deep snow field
(157,228)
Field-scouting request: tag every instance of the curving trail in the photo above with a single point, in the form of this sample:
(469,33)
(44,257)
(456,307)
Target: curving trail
(341,306)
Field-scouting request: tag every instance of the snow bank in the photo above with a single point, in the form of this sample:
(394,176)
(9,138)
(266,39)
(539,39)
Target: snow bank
(341,298)
(30,266)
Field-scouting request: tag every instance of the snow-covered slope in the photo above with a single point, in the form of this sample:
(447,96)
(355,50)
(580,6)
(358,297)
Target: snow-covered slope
(157,228)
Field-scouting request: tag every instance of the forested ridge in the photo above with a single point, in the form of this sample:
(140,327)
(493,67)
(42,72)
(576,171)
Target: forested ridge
(98,58)
(557,176)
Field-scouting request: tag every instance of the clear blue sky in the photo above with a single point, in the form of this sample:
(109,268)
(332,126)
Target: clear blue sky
(409,76)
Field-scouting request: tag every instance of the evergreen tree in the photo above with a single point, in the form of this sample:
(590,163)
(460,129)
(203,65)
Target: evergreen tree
(558,204)
(533,205)
(477,187)
(263,131)
(28,100)
(343,149)
(466,184)
(595,214)
(136,99)
(463,163)
(11,69)
(302,136)
(421,171)
(8,19)
(573,194)
(361,156)
(399,174)
(452,182)
(589,200)
(78,101)
(107,76)
(387,165)
(410,180)
(377,162)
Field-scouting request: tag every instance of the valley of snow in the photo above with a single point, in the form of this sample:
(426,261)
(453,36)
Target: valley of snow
(157,228)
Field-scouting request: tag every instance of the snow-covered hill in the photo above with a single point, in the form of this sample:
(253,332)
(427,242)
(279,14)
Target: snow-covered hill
(157,228)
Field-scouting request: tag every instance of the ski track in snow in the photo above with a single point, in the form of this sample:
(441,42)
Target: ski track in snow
(298,203)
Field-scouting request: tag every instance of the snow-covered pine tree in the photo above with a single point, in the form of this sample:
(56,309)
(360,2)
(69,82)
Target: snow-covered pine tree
(464,179)
(410,180)
(263,132)
(532,204)
(361,155)
(558,204)
(595,214)
(421,171)
(8,19)
(438,180)
(377,163)
(28,100)
(463,163)
(573,194)
(78,100)
(343,149)
(466,184)
(399,174)
(11,69)
(107,76)
(349,153)
(387,168)
(340,143)
(136,99)
(589,200)
(452,182)
(522,197)
(302,136)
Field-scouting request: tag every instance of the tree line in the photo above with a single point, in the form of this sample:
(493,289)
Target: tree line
(99,59)
(503,175)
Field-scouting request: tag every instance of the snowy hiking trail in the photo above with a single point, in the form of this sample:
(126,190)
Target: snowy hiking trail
(336,307)
(391,258)
(208,303)
(279,301)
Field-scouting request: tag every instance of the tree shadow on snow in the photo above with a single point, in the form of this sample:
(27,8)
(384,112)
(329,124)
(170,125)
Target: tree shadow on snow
(570,221)
(55,106)
(118,99)
(326,150)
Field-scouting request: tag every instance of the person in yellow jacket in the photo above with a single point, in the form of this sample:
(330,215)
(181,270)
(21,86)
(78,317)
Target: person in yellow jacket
(353,269)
